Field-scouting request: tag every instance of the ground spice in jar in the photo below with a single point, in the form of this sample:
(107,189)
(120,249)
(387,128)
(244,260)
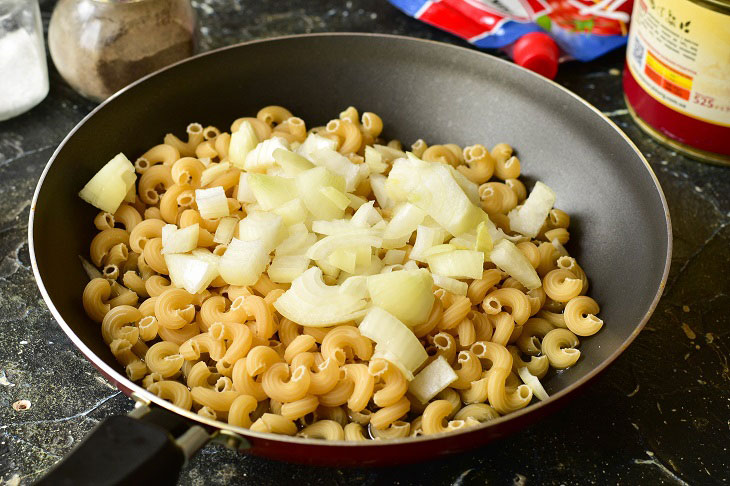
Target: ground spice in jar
(100,46)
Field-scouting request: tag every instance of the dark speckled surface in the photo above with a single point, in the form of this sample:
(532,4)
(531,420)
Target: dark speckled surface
(659,415)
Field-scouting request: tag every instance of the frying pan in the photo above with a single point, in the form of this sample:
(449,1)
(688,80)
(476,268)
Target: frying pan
(621,232)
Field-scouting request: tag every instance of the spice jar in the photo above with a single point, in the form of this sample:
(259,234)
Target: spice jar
(23,72)
(100,46)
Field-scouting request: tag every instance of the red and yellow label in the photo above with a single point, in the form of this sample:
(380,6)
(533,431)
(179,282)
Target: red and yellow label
(679,54)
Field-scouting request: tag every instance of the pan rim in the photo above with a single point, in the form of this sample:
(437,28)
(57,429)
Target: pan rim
(143,394)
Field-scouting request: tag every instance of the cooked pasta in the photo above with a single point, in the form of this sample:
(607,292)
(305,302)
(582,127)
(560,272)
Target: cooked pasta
(217,344)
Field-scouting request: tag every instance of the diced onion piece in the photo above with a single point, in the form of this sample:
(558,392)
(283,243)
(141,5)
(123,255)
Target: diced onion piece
(406,294)
(406,219)
(393,257)
(285,268)
(262,157)
(366,216)
(309,302)
(378,185)
(108,188)
(432,380)
(290,162)
(470,189)
(296,243)
(356,237)
(433,188)
(224,231)
(533,382)
(244,193)
(426,238)
(212,172)
(315,142)
(529,218)
(191,272)
(454,286)
(484,241)
(212,203)
(271,191)
(356,201)
(411,265)
(374,161)
(260,225)
(244,261)
(340,165)
(242,142)
(466,241)
(457,263)
(292,212)
(389,153)
(394,339)
(181,240)
(344,258)
(435,250)
(334,227)
(338,198)
(511,260)
(327,268)
(308,184)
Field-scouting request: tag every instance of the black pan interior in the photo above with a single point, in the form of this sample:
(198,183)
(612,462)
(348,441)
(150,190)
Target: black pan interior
(422,90)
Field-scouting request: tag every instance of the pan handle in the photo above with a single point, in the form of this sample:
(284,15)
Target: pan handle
(148,446)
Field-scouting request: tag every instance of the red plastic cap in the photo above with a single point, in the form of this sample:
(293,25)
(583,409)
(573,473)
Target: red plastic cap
(537,52)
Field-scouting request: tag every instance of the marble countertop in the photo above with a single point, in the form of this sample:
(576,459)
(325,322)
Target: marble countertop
(659,415)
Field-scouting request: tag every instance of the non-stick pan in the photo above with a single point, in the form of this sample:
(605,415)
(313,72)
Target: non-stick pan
(621,231)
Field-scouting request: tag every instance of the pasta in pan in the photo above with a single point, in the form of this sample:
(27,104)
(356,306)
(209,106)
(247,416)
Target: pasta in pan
(281,278)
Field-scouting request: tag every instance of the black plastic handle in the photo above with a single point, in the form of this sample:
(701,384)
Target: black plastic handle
(124,450)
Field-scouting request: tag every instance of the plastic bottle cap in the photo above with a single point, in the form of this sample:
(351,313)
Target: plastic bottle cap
(537,52)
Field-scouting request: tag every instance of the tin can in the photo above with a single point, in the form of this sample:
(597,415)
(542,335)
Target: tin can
(677,76)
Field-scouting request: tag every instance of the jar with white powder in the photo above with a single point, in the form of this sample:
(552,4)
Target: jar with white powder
(23,71)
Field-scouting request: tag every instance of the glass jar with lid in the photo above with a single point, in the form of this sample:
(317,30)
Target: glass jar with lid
(23,70)
(100,46)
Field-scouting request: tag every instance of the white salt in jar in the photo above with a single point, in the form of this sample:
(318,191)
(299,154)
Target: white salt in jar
(23,70)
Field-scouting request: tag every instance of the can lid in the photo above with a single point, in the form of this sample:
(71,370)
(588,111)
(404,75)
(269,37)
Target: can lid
(537,52)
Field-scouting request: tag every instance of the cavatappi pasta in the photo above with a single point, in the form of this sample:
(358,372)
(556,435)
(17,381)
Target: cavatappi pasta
(227,351)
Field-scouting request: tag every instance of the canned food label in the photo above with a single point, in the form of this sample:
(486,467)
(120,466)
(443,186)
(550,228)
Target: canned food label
(679,53)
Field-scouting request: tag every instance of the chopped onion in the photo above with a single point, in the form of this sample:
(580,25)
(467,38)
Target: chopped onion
(212,203)
(378,184)
(334,227)
(341,165)
(292,212)
(470,189)
(406,294)
(271,191)
(243,141)
(511,260)
(181,240)
(457,263)
(224,231)
(406,218)
(484,242)
(356,201)
(344,258)
(533,382)
(393,257)
(389,154)
(411,265)
(356,237)
(432,380)
(260,225)
(309,302)
(393,339)
(308,184)
(374,161)
(366,216)
(212,172)
(244,261)
(297,243)
(191,272)
(426,238)
(454,286)
(244,193)
(435,250)
(285,268)
(315,142)
(338,198)
(528,219)
(108,188)
(262,157)
(290,162)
